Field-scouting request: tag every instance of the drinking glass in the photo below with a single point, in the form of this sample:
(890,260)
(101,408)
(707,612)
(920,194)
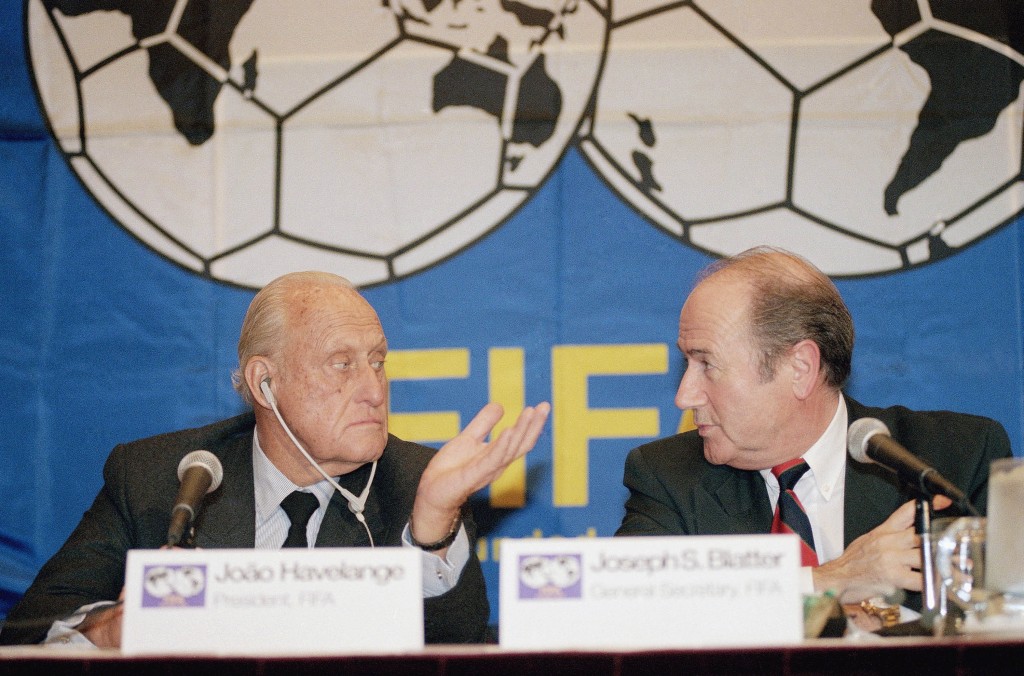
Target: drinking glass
(960,564)
(1005,565)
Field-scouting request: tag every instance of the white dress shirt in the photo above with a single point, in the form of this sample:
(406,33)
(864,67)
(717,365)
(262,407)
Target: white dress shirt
(821,490)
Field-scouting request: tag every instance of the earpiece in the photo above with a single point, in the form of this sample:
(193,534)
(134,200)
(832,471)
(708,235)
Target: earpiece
(265,387)
(356,504)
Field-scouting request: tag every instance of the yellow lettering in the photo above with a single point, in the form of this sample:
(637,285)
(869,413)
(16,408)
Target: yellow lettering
(686,422)
(575,423)
(507,387)
(490,548)
(426,365)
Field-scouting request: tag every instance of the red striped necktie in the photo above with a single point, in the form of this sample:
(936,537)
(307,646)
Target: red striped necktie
(790,516)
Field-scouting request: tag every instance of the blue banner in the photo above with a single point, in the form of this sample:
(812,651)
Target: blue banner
(525,195)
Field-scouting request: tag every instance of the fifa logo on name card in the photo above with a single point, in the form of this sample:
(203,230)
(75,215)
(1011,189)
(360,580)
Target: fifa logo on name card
(174,586)
(550,576)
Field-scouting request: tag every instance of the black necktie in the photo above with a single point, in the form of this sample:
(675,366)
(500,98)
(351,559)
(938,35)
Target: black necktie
(299,507)
(790,516)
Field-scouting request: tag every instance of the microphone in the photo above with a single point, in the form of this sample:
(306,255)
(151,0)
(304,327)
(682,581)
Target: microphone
(868,440)
(200,473)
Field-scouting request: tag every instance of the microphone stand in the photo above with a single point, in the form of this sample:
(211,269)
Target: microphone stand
(931,601)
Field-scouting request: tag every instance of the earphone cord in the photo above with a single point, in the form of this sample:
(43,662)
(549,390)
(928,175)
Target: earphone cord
(352,500)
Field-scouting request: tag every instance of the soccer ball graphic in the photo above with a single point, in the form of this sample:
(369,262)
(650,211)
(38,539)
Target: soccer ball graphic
(867,136)
(559,571)
(373,139)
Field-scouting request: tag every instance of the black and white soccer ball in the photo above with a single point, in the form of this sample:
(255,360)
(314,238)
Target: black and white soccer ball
(374,139)
(868,136)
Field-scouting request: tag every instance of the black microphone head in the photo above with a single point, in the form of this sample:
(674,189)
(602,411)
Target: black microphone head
(207,461)
(859,433)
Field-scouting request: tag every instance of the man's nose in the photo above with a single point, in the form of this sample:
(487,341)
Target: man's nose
(372,385)
(690,394)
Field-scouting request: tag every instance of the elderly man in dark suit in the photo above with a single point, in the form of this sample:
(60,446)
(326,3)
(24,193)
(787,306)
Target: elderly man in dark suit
(311,363)
(768,343)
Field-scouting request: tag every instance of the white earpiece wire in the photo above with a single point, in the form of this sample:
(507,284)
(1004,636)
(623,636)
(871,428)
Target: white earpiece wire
(355,504)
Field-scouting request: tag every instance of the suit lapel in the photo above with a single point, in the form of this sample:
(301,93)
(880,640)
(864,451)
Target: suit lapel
(340,528)
(732,501)
(872,493)
(870,499)
(228,518)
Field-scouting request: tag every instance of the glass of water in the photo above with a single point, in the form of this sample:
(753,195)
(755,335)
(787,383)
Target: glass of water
(960,564)
(1005,572)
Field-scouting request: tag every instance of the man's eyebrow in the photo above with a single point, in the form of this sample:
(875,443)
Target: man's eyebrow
(352,347)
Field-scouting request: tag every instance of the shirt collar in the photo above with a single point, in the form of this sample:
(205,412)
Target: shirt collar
(271,486)
(827,456)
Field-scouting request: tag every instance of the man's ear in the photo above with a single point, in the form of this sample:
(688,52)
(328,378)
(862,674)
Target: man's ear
(257,370)
(805,363)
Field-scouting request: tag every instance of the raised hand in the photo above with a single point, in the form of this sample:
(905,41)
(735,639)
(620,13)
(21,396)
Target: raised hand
(467,463)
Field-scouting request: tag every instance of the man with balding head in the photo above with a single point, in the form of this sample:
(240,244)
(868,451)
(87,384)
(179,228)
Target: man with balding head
(768,343)
(312,356)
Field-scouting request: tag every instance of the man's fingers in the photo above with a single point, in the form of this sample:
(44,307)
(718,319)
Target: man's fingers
(484,421)
(526,431)
(889,555)
(900,519)
(909,579)
(516,439)
(502,448)
(513,442)
(536,424)
(478,463)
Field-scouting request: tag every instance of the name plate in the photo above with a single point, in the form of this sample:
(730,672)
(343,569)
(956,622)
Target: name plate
(273,602)
(650,592)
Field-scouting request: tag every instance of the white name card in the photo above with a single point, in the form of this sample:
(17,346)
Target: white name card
(273,602)
(650,592)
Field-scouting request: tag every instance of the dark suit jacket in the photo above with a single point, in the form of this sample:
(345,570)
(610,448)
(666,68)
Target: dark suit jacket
(673,490)
(132,511)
